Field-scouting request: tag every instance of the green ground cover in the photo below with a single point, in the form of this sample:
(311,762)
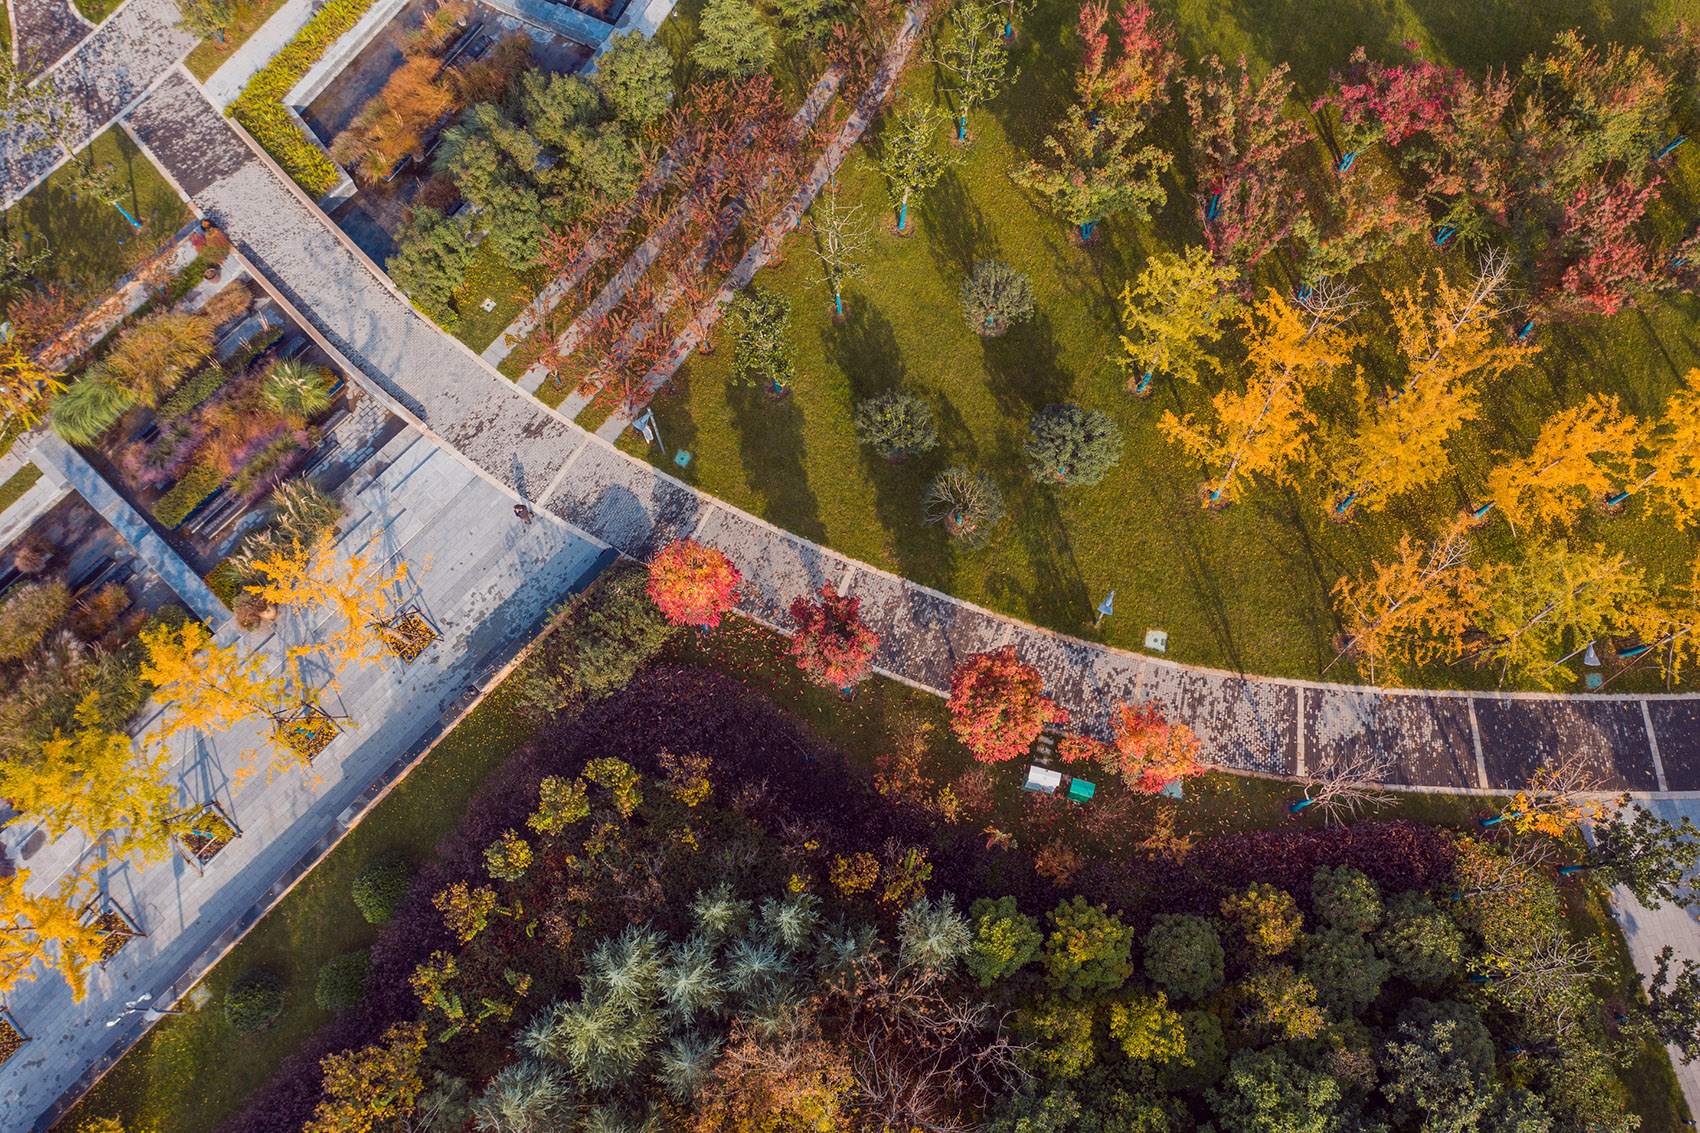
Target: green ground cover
(94,11)
(490,278)
(17,484)
(91,244)
(1247,588)
(5,29)
(245,20)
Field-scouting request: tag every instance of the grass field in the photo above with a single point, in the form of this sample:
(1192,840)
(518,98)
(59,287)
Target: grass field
(1247,588)
(91,244)
(17,484)
(244,22)
(94,11)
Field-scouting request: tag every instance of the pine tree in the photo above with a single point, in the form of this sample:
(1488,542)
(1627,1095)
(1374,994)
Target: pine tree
(1406,612)
(46,927)
(734,40)
(910,159)
(1172,311)
(1531,607)
(635,74)
(1577,455)
(1265,429)
(842,236)
(1069,444)
(1450,344)
(976,58)
(995,295)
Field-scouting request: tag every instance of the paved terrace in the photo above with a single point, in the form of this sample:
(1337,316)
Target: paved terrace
(480,576)
(1644,744)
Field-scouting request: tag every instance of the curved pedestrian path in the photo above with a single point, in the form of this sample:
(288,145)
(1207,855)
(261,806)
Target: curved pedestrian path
(1461,741)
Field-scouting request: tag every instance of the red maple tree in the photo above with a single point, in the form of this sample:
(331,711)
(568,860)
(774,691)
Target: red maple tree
(693,584)
(832,646)
(1149,751)
(997,705)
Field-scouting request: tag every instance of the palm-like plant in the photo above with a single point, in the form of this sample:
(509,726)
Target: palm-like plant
(527,1096)
(302,511)
(840,953)
(692,981)
(754,966)
(626,970)
(88,408)
(718,912)
(791,921)
(686,1064)
(296,389)
(933,937)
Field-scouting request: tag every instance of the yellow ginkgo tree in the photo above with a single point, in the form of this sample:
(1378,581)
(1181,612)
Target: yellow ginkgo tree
(1578,455)
(1265,429)
(1406,612)
(211,687)
(1668,465)
(48,928)
(352,597)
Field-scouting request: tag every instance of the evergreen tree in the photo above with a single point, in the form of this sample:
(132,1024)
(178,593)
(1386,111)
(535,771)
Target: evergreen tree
(896,424)
(430,263)
(734,39)
(1422,943)
(995,295)
(1005,940)
(1267,1092)
(909,157)
(809,22)
(494,162)
(1067,444)
(635,74)
(1183,956)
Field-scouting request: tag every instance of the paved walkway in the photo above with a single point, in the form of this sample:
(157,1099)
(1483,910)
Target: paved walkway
(480,576)
(43,31)
(103,78)
(1450,740)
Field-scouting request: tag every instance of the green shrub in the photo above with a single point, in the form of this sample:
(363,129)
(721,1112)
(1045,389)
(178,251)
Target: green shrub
(896,424)
(255,346)
(1423,943)
(1005,940)
(342,981)
(260,105)
(33,611)
(1346,898)
(20,482)
(254,1000)
(1183,956)
(191,393)
(381,886)
(225,581)
(610,632)
(201,481)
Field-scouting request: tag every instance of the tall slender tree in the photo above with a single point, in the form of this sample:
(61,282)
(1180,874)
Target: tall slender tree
(1405,612)
(1529,608)
(209,687)
(976,58)
(842,236)
(1578,455)
(1667,462)
(1265,429)
(911,160)
(1172,312)
(48,928)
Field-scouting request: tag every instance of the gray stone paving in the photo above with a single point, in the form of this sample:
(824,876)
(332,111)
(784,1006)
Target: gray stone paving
(43,31)
(112,68)
(483,578)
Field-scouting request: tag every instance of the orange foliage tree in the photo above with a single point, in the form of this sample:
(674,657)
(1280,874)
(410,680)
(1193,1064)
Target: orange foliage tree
(1575,458)
(45,927)
(693,584)
(1406,612)
(1150,751)
(832,646)
(997,705)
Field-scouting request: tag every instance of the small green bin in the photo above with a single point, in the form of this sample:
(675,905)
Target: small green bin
(1079,790)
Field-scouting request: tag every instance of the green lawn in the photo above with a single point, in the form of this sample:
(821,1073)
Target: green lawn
(189,1073)
(94,11)
(490,278)
(5,29)
(91,244)
(246,20)
(1246,588)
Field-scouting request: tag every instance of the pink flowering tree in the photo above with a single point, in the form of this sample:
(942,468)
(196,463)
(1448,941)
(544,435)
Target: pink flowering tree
(832,645)
(1134,76)
(1381,103)
(997,705)
(692,584)
(1597,262)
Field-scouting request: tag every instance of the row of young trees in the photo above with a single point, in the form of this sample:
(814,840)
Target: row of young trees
(119,792)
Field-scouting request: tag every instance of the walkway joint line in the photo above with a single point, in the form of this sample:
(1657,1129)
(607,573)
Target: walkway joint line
(1299,730)
(1653,746)
(1476,738)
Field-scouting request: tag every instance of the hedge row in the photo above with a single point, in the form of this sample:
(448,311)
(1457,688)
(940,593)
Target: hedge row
(191,393)
(260,106)
(201,481)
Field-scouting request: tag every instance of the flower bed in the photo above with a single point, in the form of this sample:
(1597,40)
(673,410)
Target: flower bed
(309,733)
(11,1038)
(408,635)
(260,105)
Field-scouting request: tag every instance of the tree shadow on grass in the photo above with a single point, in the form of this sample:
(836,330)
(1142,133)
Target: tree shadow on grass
(955,229)
(677,427)
(1027,372)
(770,441)
(865,348)
(1057,595)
